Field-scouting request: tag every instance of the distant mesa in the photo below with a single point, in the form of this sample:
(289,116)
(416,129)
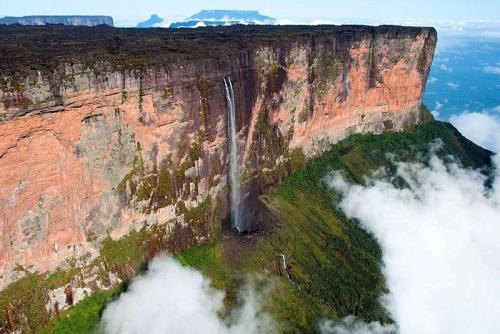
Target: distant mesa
(153,21)
(207,18)
(197,24)
(73,20)
(232,15)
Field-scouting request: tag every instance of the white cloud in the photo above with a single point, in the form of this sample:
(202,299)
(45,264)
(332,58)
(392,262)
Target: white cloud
(302,21)
(200,24)
(483,128)
(446,68)
(432,80)
(453,85)
(490,34)
(440,245)
(323,22)
(435,111)
(173,299)
(491,69)
(350,325)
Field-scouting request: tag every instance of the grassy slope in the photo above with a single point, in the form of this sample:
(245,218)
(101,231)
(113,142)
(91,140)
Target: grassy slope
(332,258)
(336,264)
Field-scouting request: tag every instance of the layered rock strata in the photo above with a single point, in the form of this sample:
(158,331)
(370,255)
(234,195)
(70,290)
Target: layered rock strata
(105,131)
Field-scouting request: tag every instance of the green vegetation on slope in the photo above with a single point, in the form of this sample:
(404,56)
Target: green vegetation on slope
(334,266)
(27,297)
(84,317)
(207,258)
(335,263)
(332,258)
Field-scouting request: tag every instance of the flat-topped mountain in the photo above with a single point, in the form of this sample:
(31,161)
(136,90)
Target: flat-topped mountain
(151,22)
(223,17)
(71,20)
(232,15)
(110,133)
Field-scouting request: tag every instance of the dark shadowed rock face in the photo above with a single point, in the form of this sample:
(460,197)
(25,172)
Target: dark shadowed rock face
(103,130)
(74,20)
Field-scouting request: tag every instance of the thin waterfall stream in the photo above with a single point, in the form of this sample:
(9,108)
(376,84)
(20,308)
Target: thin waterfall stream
(234,170)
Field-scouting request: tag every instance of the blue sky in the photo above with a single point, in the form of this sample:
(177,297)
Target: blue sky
(128,12)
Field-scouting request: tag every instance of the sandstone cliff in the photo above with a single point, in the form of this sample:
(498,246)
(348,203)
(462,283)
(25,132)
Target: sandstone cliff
(106,131)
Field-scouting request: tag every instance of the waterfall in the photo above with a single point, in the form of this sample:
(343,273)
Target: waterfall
(234,171)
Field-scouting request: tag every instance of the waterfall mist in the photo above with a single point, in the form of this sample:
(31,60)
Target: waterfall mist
(234,171)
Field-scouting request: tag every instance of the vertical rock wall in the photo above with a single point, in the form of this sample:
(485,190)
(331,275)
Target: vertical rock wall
(91,152)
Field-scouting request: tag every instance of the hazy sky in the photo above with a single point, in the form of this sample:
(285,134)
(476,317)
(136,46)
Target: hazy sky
(128,12)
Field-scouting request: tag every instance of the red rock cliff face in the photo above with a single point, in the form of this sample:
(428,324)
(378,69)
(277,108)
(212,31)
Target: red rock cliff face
(88,151)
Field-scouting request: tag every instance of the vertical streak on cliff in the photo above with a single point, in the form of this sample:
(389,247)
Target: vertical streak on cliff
(234,172)
(319,96)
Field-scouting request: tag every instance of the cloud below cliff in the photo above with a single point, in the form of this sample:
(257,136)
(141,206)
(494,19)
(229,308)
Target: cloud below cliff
(170,298)
(440,246)
(483,127)
(351,325)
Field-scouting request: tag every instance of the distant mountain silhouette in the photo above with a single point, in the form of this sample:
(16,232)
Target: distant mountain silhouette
(223,17)
(71,20)
(151,22)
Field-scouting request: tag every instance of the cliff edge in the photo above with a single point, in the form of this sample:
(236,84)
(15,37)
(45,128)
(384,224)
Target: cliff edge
(106,131)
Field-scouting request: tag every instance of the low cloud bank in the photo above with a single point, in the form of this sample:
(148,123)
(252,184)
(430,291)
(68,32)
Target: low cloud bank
(350,325)
(483,127)
(173,299)
(441,249)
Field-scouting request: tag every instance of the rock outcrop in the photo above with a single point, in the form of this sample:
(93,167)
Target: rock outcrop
(104,131)
(73,20)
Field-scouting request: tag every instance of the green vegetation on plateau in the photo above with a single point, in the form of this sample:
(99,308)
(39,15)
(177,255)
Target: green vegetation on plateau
(333,265)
